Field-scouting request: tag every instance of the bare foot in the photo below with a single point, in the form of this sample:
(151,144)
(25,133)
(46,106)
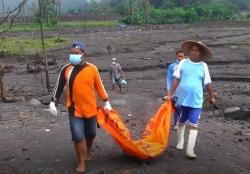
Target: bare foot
(88,157)
(81,168)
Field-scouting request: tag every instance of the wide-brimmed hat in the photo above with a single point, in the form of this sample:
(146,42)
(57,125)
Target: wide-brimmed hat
(187,46)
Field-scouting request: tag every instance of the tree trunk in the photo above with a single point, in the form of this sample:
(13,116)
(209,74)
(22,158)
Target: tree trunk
(43,46)
(131,11)
(24,16)
(60,20)
(145,9)
(3,8)
(1,83)
(3,96)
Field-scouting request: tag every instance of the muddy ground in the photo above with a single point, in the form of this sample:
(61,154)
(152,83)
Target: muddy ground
(33,141)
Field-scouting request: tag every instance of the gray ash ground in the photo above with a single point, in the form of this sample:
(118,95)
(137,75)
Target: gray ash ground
(33,141)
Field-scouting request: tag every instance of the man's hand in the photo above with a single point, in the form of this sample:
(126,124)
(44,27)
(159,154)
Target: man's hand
(212,101)
(52,108)
(168,97)
(123,76)
(107,106)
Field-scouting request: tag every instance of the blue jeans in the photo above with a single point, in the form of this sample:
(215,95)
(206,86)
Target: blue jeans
(82,128)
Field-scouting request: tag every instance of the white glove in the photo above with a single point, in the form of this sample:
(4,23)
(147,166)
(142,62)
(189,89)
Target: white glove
(107,106)
(52,108)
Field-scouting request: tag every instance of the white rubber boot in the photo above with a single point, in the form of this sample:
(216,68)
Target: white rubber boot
(180,137)
(191,143)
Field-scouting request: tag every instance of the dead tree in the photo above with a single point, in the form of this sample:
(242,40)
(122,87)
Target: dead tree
(2,90)
(43,45)
(1,83)
(3,7)
(17,9)
(24,17)
(58,13)
(14,17)
(145,4)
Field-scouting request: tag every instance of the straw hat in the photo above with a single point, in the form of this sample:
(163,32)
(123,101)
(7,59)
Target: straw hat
(205,51)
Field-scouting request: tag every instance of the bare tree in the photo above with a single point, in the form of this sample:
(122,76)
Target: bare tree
(3,94)
(1,83)
(5,18)
(3,7)
(145,5)
(85,22)
(58,12)
(24,17)
(17,10)
(43,45)
(14,17)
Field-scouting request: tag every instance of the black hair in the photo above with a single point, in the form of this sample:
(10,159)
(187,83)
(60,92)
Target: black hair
(179,51)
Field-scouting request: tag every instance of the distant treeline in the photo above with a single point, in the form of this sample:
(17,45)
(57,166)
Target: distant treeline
(204,12)
(138,12)
(69,17)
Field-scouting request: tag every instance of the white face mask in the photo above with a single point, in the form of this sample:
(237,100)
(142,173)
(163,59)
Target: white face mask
(113,63)
(75,59)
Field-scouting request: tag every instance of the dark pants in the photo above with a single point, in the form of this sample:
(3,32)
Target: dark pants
(118,82)
(177,114)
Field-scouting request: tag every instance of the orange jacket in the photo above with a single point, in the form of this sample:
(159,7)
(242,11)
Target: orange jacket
(82,82)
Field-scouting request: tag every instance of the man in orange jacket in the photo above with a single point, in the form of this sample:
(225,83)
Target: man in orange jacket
(82,80)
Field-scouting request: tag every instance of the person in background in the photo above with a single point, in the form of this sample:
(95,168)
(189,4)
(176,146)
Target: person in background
(116,74)
(170,78)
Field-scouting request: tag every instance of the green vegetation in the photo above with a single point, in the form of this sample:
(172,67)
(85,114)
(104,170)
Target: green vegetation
(29,46)
(190,14)
(240,4)
(68,24)
(90,24)
(49,11)
(138,12)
